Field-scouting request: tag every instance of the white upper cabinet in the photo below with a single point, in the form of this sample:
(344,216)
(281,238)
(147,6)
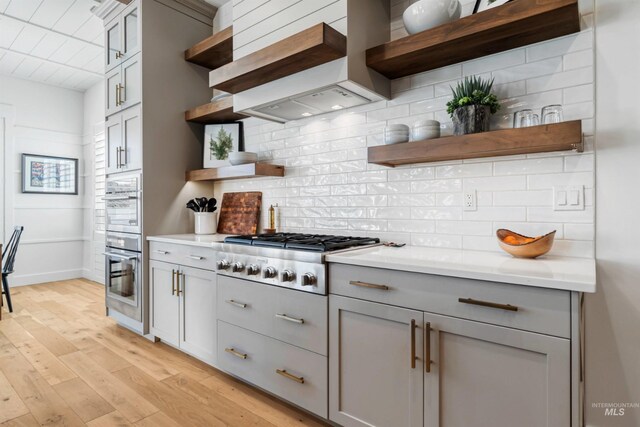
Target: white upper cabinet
(122,36)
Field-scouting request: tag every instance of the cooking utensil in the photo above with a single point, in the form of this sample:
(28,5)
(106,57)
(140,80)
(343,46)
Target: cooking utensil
(202,202)
(191,204)
(211,205)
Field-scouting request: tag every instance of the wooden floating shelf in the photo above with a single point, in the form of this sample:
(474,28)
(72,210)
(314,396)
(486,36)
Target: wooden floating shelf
(214,51)
(306,49)
(250,170)
(220,111)
(515,24)
(505,142)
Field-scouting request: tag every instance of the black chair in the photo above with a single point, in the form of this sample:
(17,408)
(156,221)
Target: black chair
(9,257)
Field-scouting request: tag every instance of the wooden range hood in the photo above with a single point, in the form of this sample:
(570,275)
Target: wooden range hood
(314,46)
(311,72)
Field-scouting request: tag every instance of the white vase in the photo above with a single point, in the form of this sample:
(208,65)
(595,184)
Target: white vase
(206,222)
(425,14)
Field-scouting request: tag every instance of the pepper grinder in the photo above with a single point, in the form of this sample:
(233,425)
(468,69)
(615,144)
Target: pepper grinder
(271,221)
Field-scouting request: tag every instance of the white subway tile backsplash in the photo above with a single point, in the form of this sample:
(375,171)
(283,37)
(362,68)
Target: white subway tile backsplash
(529,166)
(331,188)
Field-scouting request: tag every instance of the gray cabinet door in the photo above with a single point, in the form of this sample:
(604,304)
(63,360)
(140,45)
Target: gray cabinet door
(113,143)
(373,379)
(131,151)
(488,375)
(197,291)
(165,302)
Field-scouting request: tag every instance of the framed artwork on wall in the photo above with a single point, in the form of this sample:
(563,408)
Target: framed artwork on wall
(49,174)
(482,5)
(219,141)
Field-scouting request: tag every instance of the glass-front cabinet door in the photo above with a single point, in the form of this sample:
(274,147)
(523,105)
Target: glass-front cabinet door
(113,44)
(131,25)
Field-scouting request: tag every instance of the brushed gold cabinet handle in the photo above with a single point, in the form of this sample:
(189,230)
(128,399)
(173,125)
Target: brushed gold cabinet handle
(286,374)
(232,351)
(369,285)
(236,303)
(122,94)
(118,157)
(289,318)
(178,275)
(413,343)
(472,301)
(427,347)
(117,95)
(173,282)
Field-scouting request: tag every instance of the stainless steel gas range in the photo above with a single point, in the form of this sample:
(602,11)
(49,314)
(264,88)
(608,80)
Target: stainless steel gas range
(289,260)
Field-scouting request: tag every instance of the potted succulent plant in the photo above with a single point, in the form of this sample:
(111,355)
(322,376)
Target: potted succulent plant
(472,105)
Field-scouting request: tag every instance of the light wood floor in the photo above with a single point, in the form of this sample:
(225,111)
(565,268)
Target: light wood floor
(62,362)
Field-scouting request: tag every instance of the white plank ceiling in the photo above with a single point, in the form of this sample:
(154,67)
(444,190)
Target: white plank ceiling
(57,42)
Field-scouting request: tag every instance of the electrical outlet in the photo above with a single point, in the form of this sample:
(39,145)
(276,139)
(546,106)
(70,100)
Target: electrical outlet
(470,200)
(568,198)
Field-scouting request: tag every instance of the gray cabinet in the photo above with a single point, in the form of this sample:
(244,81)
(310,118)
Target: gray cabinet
(375,364)
(165,304)
(123,86)
(122,36)
(182,313)
(486,354)
(488,375)
(124,141)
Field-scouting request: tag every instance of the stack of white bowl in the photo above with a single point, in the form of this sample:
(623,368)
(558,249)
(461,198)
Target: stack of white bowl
(394,134)
(425,129)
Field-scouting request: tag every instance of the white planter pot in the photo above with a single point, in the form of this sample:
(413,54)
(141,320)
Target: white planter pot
(206,222)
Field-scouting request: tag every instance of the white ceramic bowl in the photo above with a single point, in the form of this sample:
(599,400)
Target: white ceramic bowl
(425,14)
(242,157)
(420,134)
(395,134)
(396,128)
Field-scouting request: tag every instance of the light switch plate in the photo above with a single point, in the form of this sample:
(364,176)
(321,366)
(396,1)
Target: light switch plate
(568,198)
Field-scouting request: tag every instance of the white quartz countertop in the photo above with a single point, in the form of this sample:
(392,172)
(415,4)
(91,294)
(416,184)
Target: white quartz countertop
(202,240)
(549,271)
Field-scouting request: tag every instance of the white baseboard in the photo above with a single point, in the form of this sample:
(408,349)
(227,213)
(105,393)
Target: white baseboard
(51,276)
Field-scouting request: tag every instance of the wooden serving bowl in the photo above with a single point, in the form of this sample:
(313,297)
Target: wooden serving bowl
(523,246)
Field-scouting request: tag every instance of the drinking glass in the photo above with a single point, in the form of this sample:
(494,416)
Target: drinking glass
(552,114)
(525,118)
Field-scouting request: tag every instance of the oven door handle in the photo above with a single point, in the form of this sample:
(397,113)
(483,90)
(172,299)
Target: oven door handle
(108,198)
(121,257)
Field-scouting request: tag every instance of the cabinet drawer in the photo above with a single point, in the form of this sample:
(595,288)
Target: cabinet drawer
(190,256)
(540,310)
(292,373)
(294,317)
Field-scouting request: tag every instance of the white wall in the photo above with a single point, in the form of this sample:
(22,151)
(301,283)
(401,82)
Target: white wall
(613,313)
(330,188)
(48,121)
(93,128)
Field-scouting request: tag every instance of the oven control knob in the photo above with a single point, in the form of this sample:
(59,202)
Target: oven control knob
(223,264)
(237,267)
(288,276)
(253,270)
(309,279)
(270,273)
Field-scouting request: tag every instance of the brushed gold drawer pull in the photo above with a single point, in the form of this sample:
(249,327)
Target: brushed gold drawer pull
(178,275)
(427,347)
(413,343)
(369,285)
(159,252)
(290,319)
(286,374)
(472,301)
(196,257)
(232,351)
(173,282)
(236,303)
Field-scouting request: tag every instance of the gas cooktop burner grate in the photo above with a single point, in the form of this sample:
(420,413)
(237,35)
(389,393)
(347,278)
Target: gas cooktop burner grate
(305,242)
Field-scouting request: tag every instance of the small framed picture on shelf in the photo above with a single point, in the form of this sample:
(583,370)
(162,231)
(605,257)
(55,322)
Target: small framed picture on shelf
(49,174)
(482,5)
(219,141)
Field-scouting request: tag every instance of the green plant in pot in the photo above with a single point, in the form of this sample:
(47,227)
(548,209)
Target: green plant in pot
(472,105)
